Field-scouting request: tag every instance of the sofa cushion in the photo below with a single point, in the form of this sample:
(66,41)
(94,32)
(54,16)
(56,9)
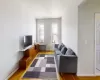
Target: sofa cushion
(56,45)
(63,50)
(69,52)
(60,46)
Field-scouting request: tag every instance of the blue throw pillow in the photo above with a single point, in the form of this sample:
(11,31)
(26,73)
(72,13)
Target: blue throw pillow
(60,46)
(63,50)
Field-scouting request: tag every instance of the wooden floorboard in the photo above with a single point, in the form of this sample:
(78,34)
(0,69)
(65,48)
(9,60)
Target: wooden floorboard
(19,73)
(74,77)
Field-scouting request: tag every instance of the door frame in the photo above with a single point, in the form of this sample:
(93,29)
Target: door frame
(95,44)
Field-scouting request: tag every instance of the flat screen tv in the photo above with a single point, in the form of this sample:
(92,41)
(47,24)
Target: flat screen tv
(27,40)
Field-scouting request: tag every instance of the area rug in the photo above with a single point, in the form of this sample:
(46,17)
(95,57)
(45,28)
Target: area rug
(43,67)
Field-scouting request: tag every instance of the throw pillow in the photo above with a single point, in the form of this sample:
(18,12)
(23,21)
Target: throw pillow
(63,50)
(69,52)
(60,46)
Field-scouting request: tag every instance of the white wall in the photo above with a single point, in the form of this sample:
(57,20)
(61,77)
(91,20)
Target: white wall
(67,9)
(86,37)
(17,18)
(15,21)
(69,28)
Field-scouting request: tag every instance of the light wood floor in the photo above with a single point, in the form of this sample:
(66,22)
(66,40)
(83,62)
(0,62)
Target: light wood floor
(19,73)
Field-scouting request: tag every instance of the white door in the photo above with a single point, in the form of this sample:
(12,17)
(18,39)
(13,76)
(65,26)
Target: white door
(97,42)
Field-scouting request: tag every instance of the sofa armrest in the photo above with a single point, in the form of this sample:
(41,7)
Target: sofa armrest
(68,56)
(68,59)
(68,63)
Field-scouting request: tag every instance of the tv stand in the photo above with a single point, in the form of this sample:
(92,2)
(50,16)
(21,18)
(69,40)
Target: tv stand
(29,53)
(25,48)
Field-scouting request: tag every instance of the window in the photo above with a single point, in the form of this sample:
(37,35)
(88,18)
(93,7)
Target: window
(48,30)
(41,32)
(54,33)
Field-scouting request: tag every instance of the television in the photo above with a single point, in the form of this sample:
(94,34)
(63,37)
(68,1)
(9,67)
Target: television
(27,40)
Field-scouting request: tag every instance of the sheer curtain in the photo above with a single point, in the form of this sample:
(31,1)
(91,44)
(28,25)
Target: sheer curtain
(41,32)
(54,32)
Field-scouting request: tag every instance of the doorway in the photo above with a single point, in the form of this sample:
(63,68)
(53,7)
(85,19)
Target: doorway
(48,31)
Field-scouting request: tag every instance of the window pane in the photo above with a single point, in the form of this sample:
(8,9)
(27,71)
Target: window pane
(42,37)
(54,28)
(41,32)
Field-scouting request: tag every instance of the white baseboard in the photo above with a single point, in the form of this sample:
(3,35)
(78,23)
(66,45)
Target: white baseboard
(86,75)
(97,74)
(11,74)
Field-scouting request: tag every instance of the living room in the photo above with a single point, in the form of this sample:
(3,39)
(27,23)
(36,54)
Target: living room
(18,18)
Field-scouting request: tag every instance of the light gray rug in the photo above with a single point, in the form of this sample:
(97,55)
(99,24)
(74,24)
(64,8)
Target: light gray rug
(43,67)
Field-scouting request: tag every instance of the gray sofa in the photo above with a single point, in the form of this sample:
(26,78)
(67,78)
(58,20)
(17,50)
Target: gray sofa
(66,59)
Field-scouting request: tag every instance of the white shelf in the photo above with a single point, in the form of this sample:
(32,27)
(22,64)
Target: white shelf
(27,48)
